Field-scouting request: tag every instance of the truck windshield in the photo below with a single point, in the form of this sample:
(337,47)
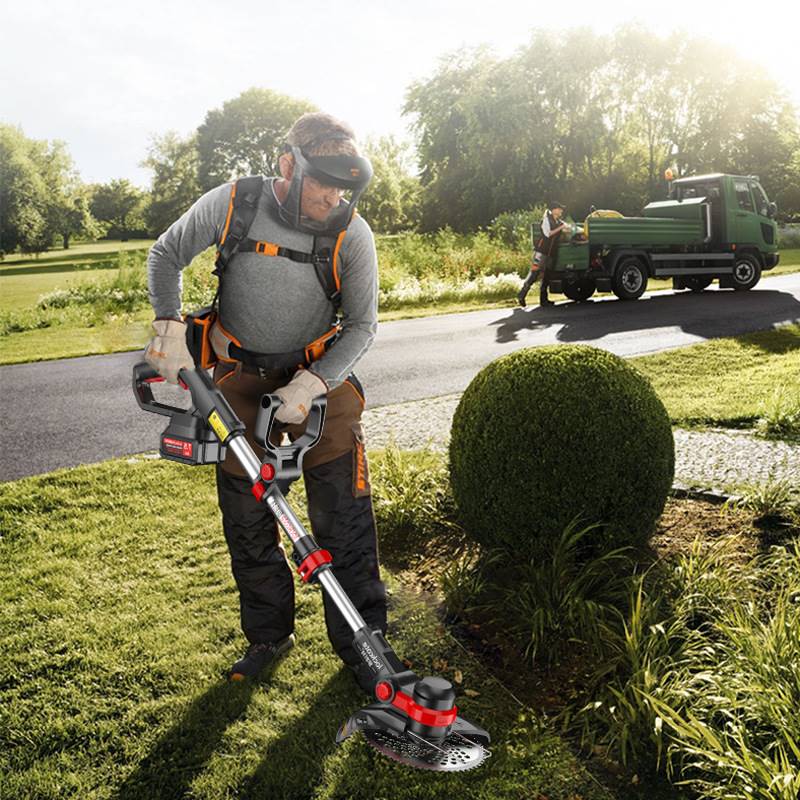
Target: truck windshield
(760,196)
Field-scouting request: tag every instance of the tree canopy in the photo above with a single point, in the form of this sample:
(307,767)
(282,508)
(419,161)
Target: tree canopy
(41,196)
(244,137)
(591,119)
(175,184)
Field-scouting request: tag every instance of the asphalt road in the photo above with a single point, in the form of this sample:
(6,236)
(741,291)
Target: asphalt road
(81,410)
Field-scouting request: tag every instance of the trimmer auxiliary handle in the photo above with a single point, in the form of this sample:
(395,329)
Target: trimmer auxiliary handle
(414,720)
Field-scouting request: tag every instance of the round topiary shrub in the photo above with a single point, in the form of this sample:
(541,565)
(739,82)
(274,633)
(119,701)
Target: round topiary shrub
(549,433)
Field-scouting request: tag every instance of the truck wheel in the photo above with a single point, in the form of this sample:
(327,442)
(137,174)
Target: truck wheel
(746,273)
(579,290)
(630,279)
(697,283)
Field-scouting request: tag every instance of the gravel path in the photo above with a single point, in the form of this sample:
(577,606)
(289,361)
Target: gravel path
(707,459)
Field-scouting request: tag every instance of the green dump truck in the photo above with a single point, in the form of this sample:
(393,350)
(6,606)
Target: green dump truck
(711,226)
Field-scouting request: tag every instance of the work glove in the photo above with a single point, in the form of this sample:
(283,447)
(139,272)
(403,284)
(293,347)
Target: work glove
(297,395)
(167,352)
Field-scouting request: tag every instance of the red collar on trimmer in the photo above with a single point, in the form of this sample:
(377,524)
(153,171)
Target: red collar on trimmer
(425,716)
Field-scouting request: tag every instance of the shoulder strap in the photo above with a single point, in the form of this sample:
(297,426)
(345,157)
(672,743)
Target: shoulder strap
(326,265)
(245,194)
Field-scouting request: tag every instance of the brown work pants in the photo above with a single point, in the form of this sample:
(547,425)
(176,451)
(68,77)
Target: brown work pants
(339,509)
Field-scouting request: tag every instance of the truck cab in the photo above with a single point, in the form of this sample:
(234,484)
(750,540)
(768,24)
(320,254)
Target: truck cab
(741,214)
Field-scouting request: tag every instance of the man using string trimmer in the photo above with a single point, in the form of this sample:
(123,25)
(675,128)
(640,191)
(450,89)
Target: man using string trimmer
(296,308)
(282,354)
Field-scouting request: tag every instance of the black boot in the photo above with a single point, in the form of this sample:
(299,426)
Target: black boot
(258,656)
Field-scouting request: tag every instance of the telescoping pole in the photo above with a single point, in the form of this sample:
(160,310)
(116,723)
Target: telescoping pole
(314,563)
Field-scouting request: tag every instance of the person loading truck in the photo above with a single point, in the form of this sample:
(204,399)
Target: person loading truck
(544,251)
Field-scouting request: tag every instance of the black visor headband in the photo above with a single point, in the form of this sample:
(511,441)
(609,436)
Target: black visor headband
(344,172)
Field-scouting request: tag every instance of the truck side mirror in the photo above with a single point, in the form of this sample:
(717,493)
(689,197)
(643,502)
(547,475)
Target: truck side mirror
(772,210)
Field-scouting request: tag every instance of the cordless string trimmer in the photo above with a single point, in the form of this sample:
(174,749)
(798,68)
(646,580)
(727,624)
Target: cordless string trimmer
(413,720)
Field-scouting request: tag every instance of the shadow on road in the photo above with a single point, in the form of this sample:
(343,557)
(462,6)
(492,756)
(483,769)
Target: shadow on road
(709,314)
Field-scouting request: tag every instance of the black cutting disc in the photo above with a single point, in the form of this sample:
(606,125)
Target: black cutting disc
(454,754)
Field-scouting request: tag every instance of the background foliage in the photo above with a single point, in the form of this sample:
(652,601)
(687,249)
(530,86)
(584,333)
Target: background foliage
(585,118)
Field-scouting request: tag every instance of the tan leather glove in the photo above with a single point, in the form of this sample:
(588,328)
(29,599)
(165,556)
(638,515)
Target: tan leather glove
(167,352)
(297,395)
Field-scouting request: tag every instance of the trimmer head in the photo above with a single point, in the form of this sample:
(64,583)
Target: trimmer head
(417,725)
(455,754)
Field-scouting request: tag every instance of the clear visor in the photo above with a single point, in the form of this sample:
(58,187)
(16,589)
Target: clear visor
(321,206)
(324,207)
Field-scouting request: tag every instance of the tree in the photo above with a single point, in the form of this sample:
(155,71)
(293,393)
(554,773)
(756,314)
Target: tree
(23,194)
(175,185)
(41,195)
(118,204)
(391,202)
(245,136)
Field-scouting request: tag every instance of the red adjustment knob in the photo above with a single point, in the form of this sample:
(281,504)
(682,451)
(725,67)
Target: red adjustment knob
(384,691)
(267,472)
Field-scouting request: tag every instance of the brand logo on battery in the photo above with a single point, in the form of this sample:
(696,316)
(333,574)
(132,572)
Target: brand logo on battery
(177,447)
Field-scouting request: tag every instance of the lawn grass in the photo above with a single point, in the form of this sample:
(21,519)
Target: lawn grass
(728,382)
(23,280)
(118,617)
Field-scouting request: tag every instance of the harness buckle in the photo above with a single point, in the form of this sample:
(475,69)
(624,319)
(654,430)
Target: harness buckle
(266,249)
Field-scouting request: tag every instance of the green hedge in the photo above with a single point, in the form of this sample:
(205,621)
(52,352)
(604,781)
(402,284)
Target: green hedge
(548,434)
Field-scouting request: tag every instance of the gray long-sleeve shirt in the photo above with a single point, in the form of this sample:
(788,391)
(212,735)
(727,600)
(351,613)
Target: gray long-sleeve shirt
(269,303)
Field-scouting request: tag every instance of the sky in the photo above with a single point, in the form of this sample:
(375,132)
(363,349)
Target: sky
(105,77)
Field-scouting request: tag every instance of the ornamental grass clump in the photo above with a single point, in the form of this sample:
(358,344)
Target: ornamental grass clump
(546,436)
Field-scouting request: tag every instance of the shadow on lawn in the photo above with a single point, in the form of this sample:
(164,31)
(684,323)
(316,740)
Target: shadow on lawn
(292,764)
(182,752)
(77,264)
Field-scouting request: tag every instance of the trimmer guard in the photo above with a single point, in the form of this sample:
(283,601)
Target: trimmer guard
(464,747)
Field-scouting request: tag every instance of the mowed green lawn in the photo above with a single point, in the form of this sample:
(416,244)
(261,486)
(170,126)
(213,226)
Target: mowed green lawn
(731,381)
(118,618)
(23,280)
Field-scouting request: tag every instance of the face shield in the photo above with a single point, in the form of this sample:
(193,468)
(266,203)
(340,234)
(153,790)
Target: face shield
(324,191)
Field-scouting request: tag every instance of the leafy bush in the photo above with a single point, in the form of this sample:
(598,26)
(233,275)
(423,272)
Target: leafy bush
(548,434)
(547,605)
(771,498)
(513,228)
(789,237)
(780,414)
(447,256)
(125,290)
(411,496)
(199,282)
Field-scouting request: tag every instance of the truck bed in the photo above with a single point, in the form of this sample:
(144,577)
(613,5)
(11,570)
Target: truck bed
(646,231)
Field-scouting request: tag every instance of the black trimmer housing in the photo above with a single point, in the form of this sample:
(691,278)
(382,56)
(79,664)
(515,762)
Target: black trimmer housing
(412,720)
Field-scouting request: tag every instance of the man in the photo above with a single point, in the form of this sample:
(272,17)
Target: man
(544,253)
(274,309)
